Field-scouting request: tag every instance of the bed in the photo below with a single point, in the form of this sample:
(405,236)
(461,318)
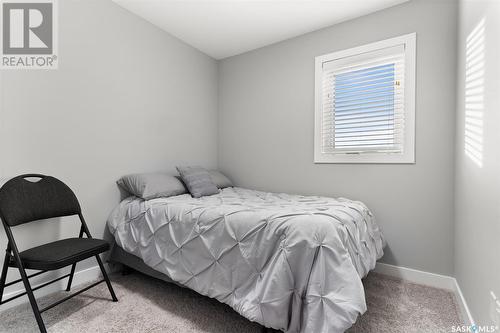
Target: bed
(289,262)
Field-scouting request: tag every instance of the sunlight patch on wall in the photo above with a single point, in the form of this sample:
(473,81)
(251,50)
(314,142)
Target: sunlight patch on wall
(474,93)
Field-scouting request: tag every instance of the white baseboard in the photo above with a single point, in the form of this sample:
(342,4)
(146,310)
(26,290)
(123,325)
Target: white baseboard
(80,277)
(463,304)
(416,276)
(428,279)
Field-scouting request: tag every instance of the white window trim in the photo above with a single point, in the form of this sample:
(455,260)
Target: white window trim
(408,155)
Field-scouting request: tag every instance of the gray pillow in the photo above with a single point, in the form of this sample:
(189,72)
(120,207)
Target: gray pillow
(219,179)
(198,181)
(152,185)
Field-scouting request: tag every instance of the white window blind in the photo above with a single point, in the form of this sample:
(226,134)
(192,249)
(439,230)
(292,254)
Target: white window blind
(365,103)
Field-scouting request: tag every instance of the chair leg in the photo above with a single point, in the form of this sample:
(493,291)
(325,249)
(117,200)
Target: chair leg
(32,300)
(4,273)
(106,278)
(70,280)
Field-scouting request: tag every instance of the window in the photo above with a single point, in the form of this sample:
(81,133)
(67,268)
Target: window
(365,104)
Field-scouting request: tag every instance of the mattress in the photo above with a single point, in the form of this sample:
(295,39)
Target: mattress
(288,262)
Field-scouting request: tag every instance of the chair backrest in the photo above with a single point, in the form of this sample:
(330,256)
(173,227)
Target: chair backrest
(23,201)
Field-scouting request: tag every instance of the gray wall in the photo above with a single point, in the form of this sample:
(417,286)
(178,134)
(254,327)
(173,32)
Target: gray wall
(266,112)
(127,97)
(477,231)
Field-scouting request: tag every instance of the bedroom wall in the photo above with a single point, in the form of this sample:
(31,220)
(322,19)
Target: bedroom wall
(127,97)
(266,112)
(477,231)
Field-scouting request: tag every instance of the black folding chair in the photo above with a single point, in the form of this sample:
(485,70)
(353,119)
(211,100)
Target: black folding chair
(23,201)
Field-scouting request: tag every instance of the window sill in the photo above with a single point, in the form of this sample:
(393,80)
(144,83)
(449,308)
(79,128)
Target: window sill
(364,158)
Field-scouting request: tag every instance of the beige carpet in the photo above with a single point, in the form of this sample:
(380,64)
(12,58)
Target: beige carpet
(149,305)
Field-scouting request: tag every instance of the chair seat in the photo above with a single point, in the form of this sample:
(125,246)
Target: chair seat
(61,253)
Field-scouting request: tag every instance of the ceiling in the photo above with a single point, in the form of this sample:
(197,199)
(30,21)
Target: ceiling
(223,28)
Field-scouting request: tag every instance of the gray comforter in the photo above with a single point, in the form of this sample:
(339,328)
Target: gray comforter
(288,262)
